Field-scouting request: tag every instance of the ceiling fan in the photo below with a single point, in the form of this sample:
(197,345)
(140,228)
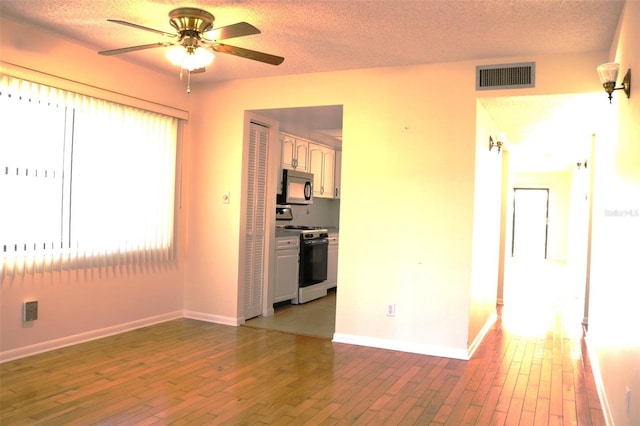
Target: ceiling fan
(193,46)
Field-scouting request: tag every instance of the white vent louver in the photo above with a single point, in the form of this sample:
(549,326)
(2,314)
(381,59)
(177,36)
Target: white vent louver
(505,76)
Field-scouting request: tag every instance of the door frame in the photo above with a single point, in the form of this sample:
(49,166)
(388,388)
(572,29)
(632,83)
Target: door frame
(513,218)
(273,158)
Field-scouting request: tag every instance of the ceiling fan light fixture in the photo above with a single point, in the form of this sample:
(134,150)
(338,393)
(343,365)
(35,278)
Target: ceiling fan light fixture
(190,58)
(197,41)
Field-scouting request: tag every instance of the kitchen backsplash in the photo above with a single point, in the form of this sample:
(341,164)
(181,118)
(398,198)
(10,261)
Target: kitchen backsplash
(323,212)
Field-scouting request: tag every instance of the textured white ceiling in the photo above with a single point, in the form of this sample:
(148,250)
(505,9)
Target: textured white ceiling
(321,35)
(549,132)
(341,34)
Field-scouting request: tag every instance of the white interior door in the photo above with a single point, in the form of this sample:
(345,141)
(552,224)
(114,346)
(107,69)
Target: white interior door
(530,218)
(255,220)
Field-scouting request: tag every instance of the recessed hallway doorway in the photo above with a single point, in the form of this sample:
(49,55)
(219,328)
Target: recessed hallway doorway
(530,222)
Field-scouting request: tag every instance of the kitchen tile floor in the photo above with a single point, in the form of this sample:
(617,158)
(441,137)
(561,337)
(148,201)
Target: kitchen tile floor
(316,318)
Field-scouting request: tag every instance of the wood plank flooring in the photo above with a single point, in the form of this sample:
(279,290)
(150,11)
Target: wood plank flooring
(531,369)
(187,372)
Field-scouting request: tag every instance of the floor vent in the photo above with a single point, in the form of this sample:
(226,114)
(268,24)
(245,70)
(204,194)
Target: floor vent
(506,76)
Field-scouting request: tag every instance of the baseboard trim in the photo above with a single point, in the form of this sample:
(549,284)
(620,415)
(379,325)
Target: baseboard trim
(395,345)
(597,377)
(482,334)
(216,319)
(75,339)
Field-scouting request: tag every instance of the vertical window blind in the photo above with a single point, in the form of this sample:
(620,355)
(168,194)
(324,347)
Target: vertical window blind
(83,182)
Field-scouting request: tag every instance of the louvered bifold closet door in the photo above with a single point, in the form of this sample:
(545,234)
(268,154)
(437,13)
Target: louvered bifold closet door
(255,220)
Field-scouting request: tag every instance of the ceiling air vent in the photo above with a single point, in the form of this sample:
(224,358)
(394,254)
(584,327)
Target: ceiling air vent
(506,76)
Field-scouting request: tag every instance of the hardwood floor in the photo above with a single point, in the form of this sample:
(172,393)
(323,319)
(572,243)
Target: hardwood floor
(187,372)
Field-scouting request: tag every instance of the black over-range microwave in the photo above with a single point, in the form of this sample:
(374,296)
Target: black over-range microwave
(297,188)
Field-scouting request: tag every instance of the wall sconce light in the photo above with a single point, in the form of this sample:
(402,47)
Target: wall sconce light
(497,144)
(608,74)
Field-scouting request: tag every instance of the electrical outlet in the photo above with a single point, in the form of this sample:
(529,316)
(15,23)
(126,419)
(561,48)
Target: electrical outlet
(391,309)
(30,310)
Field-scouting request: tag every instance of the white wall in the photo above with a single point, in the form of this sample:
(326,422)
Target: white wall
(409,164)
(487,206)
(579,232)
(614,317)
(80,305)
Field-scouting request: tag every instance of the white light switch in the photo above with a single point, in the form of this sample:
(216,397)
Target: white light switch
(225,197)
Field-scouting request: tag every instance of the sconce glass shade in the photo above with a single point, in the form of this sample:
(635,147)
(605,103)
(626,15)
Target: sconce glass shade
(608,72)
(190,59)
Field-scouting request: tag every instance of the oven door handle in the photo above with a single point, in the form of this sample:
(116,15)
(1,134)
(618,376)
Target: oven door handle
(316,241)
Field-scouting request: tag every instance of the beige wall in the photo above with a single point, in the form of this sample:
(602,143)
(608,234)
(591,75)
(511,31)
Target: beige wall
(74,63)
(81,305)
(486,230)
(409,167)
(613,336)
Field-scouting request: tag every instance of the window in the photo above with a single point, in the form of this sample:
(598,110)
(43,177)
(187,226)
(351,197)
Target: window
(83,182)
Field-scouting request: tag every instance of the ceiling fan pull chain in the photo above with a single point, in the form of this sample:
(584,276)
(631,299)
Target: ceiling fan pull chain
(188,81)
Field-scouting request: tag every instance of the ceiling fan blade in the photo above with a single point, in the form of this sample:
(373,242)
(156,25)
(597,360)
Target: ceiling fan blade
(249,54)
(230,31)
(140,27)
(133,48)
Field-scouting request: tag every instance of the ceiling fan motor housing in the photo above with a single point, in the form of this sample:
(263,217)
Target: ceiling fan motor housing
(191,22)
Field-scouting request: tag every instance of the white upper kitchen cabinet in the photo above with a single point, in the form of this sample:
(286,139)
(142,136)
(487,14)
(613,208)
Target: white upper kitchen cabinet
(295,153)
(321,164)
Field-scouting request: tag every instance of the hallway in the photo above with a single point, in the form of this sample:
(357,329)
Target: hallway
(542,295)
(542,315)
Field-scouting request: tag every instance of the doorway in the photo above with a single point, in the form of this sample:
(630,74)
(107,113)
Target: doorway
(530,223)
(320,125)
